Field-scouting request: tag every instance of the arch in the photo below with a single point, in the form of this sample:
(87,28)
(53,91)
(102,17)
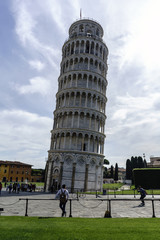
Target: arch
(72,48)
(92,48)
(82,46)
(71,64)
(87,47)
(74,141)
(91,143)
(85,143)
(68,159)
(74,80)
(79,142)
(69,80)
(97,49)
(81,120)
(100,51)
(77,101)
(75,122)
(89,100)
(77,47)
(71,102)
(85,64)
(83,99)
(68,52)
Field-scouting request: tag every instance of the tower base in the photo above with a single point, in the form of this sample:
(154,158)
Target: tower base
(79,171)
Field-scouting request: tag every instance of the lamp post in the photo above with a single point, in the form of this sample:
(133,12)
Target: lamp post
(144,156)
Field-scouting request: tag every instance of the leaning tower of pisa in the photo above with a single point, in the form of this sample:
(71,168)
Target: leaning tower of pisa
(76,152)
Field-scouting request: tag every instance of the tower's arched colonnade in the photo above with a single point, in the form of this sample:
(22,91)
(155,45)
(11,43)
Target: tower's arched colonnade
(77,140)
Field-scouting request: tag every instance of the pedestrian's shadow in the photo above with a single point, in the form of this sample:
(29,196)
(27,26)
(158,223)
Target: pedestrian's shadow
(137,206)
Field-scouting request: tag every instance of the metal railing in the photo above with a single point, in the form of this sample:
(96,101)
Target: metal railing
(109,201)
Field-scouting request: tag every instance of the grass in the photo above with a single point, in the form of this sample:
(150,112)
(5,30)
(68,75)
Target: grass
(28,228)
(112,185)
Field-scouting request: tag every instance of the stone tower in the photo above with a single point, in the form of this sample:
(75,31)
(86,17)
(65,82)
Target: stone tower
(77,139)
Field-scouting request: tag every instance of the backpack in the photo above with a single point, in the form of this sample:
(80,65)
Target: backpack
(63,196)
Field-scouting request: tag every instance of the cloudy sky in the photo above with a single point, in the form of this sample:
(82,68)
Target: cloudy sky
(31,37)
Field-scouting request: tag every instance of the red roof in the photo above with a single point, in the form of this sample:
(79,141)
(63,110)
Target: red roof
(14,163)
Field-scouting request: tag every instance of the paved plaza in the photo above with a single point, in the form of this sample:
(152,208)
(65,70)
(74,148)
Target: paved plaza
(44,205)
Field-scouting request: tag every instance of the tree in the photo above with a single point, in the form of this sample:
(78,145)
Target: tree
(105,173)
(116,172)
(128,169)
(135,162)
(111,172)
(106,162)
(140,162)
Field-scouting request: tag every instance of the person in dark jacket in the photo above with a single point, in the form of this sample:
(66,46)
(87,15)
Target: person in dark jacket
(63,196)
(143,193)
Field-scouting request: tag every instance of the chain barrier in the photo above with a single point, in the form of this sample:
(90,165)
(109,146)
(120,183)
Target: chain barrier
(9,203)
(90,207)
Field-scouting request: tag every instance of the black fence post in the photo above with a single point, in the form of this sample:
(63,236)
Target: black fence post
(26,214)
(70,214)
(153,216)
(110,207)
(114,193)
(134,194)
(77,194)
(152,194)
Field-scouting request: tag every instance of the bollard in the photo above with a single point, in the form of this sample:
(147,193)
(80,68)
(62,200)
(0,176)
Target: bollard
(1,210)
(108,211)
(110,208)
(70,214)
(153,216)
(26,214)
(152,194)
(77,194)
(114,193)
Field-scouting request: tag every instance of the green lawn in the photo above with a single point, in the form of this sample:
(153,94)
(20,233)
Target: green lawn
(112,185)
(28,228)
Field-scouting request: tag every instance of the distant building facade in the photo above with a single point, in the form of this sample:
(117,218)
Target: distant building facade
(76,152)
(154,162)
(13,171)
(37,175)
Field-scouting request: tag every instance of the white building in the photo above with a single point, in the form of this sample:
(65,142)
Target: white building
(76,153)
(154,162)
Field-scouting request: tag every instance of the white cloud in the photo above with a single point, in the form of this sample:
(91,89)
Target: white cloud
(142,45)
(25,136)
(37,85)
(26,26)
(36,64)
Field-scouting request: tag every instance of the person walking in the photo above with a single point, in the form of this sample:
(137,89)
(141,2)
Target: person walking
(10,187)
(63,196)
(143,193)
(0,187)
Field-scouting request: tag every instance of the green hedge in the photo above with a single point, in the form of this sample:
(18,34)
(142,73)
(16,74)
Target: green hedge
(148,178)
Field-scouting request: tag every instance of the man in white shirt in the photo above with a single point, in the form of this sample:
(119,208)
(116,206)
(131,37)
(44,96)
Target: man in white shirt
(63,196)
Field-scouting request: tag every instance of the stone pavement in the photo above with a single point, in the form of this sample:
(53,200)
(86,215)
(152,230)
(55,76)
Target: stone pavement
(44,205)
